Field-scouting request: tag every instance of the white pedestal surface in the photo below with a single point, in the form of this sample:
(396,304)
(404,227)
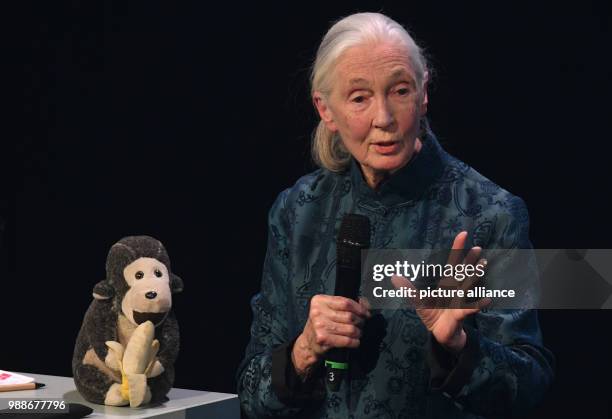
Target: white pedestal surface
(183,404)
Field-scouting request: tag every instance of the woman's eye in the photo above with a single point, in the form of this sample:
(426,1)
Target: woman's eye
(403,91)
(358,99)
(139,275)
(158,273)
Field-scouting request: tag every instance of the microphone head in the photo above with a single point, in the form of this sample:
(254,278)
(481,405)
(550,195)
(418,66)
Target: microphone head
(355,231)
(353,237)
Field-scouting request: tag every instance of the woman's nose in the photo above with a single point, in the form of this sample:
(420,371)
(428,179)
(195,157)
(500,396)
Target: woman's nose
(151,295)
(383,117)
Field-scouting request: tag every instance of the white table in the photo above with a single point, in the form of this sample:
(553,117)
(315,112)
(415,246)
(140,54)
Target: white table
(183,403)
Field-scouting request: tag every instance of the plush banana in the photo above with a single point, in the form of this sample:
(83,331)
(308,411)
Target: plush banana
(155,367)
(137,363)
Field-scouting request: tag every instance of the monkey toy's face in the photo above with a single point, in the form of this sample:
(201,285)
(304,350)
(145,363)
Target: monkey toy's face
(148,297)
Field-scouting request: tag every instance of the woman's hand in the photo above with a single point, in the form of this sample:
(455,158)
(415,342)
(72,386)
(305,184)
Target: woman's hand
(333,322)
(446,324)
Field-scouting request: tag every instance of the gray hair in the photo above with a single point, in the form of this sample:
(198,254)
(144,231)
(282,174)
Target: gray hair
(327,148)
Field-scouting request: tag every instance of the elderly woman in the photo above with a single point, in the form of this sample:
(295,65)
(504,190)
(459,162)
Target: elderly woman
(378,158)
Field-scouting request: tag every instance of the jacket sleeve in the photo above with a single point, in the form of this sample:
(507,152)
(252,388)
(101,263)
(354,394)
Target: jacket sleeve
(504,369)
(270,343)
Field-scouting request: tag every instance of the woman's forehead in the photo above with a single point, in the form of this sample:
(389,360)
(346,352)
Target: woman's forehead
(363,63)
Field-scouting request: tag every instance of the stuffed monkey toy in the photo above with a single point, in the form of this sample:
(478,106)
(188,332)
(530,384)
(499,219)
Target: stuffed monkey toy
(129,339)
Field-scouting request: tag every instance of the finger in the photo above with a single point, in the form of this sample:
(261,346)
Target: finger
(473,255)
(366,304)
(345,317)
(318,304)
(473,280)
(448,282)
(477,275)
(338,303)
(459,242)
(336,341)
(465,283)
(343,329)
(328,315)
(456,250)
(320,299)
(327,341)
(483,263)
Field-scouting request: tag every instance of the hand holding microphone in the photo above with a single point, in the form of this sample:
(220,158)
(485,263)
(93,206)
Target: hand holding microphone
(333,322)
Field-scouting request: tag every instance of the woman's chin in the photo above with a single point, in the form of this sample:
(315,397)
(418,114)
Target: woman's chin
(388,163)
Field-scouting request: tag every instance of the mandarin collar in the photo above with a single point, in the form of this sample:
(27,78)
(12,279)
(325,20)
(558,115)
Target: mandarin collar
(408,183)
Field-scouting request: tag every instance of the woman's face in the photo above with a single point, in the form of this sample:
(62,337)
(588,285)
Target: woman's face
(375,106)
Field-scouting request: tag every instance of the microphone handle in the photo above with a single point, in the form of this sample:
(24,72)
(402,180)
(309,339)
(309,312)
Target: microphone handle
(336,366)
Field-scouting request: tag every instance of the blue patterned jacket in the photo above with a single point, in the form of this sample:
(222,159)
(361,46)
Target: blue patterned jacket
(400,370)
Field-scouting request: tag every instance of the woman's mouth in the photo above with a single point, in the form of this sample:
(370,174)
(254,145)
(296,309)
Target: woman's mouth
(387,147)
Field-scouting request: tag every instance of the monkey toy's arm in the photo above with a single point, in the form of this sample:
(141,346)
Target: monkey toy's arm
(168,336)
(101,319)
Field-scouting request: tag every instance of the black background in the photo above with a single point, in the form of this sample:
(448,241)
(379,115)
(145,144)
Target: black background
(185,120)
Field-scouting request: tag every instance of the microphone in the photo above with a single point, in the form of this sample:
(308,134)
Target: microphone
(354,235)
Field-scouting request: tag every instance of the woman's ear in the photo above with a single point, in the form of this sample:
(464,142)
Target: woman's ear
(176,284)
(103,290)
(425,99)
(324,111)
